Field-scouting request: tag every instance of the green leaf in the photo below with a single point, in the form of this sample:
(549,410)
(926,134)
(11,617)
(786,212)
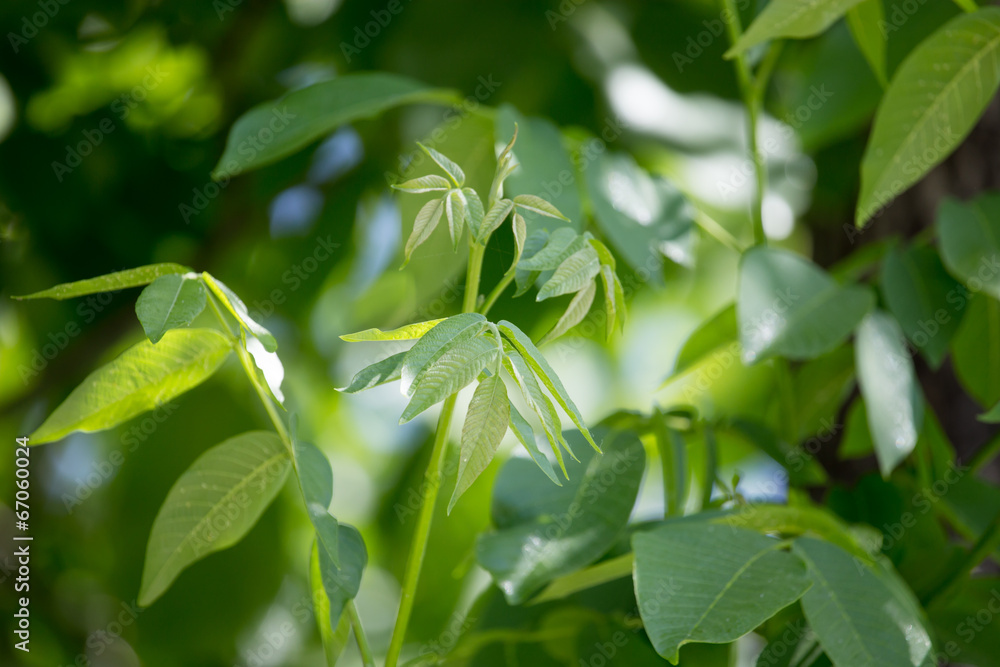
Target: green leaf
(239,310)
(212,506)
(458,365)
(408,332)
(473,210)
(520,230)
(484,428)
(935,98)
(535,204)
(954,628)
(526,436)
(889,385)
(991,416)
(970,241)
(429,183)
(316,484)
(389,369)
(524,278)
(454,210)
(544,167)
(788,306)
(546,374)
(170,302)
(791,18)
(614,294)
(718,331)
(585,579)
(575,272)
(707,583)
(342,583)
(144,377)
(435,342)
(334,637)
(919,293)
(453,171)
(578,308)
(857,617)
(865,20)
(308,114)
(559,245)
(544,531)
(975,350)
(111,282)
(644,217)
(423,226)
(539,403)
(494,218)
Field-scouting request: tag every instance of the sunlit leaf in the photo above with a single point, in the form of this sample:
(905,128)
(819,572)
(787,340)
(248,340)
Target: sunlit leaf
(573,274)
(316,483)
(525,278)
(457,366)
(710,583)
(239,310)
(308,114)
(212,506)
(577,309)
(865,20)
(536,204)
(433,344)
(170,302)
(559,245)
(429,183)
(111,282)
(484,428)
(423,226)
(408,332)
(791,18)
(539,403)
(453,171)
(473,210)
(494,218)
(935,98)
(526,436)
(144,377)
(454,210)
(546,374)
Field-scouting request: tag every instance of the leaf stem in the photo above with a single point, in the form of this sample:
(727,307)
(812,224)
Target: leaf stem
(434,476)
(984,546)
(359,634)
(497,291)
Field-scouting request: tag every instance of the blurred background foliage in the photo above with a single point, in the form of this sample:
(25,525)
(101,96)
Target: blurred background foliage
(113,114)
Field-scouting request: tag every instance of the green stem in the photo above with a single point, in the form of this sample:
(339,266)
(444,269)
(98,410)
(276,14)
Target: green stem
(968,6)
(984,546)
(497,291)
(711,466)
(434,475)
(359,633)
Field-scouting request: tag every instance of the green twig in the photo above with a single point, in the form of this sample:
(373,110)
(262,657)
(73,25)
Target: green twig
(359,633)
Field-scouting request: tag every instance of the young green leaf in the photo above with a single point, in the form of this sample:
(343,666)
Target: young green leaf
(458,365)
(505,167)
(433,344)
(865,20)
(697,582)
(429,183)
(407,332)
(454,209)
(969,234)
(611,294)
(473,210)
(543,532)
(604,254)
(975,350)
(788,306)
(423,226)
(578,308)
(316,484)
(342,583)
(311,113)
(546,374)
(520,229)
(453,171)
(389,369)
(212,506)
(536,204)
(111,282)
(170,302)
(559,245)
(991,416)
(522,430)
(484,428)
(525,278)
(858,620)
(539,403)
(334,637)
(791,18)
(144,377)
(718,331)
(494,218)
(917,289)
(239,310)
(572,274)
(935,98)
